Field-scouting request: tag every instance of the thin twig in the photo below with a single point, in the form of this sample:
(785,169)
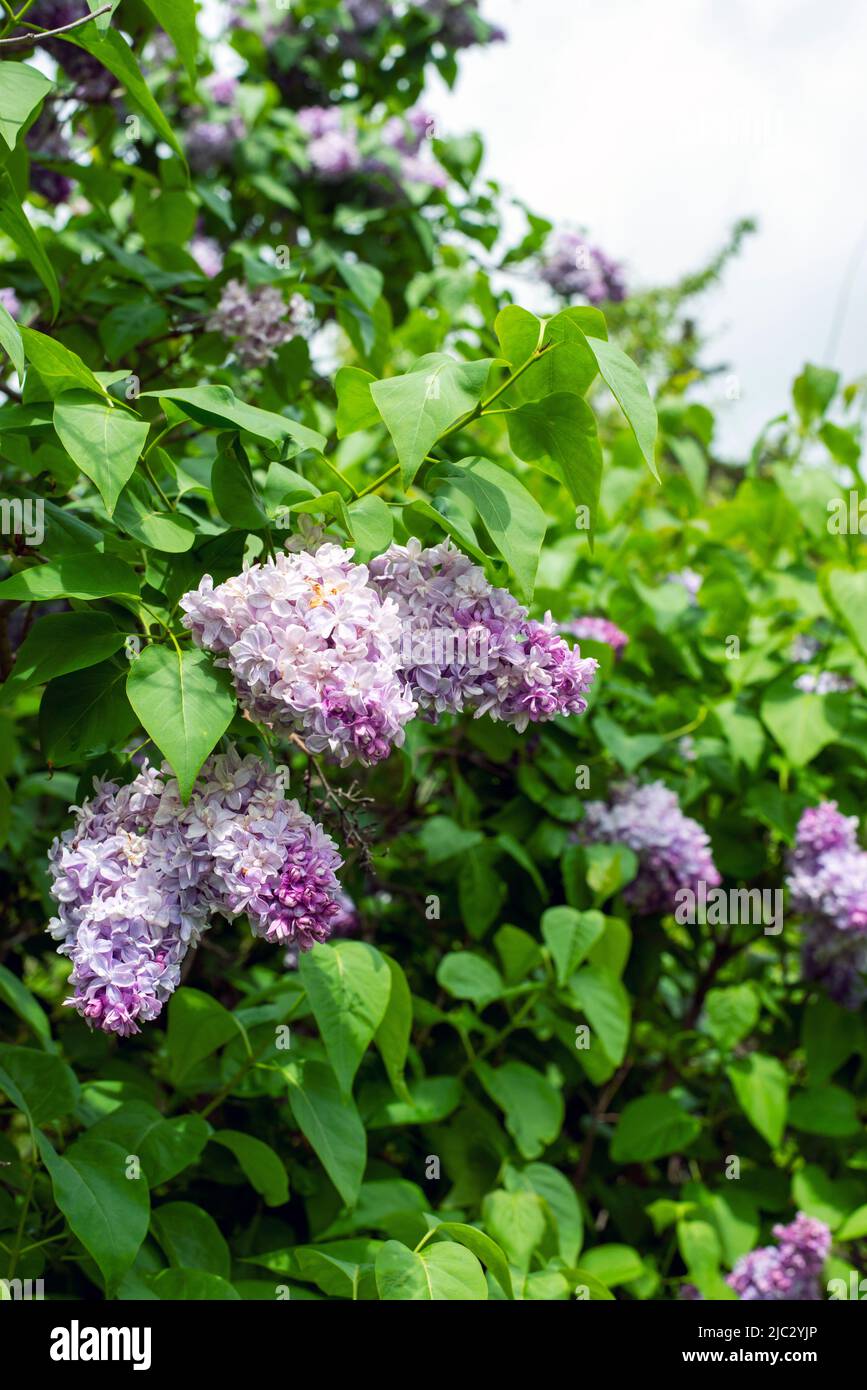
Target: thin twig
(36,38)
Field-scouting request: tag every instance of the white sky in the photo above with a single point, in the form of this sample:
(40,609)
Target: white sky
(657,123)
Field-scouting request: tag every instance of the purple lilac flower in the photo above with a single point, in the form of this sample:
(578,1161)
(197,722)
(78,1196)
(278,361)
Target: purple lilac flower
(312,648)
(407,133)
(573,267)
(207,254)
(334,154)
(461,25)
(10,302)
(316,121)
(211,144)
(823,683)
(804,648)
(827,880)
(687,579)
(366,14)
(259,321)
(468,645)
(591,629)
(673,850)
(346,922)
(789,1270)
(139,874)
(424,169)
(222,89)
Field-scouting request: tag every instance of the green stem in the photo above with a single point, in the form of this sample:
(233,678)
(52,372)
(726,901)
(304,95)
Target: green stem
(371,487)
(19,1234)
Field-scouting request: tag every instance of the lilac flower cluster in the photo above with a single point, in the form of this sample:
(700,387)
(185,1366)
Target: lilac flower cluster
(789,1270)
(211,143)
(138,875)
(673,850)
(259,321)
(46,139)
(687,579)
(587,628)
(824,683)
(312,648)
(573,267)
(506,665)
(827,880)
(334,152)
(205,251)
(10,302)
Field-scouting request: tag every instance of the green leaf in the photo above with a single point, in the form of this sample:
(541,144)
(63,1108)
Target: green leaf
(828,1199)
(559,434)
(11,340)
(431,1099)
(104,441)
(629,750)
(762,1088)
(372,526)
(235,493)
(652,1127)
(830,1035)
(468,976)
(802,723)
(85,713)
(848,589)
(259,1162)
(106,1210)
(532,1107)
(348,985)
(198,1025)
(364,282)
(519,334)
(563,1204)
(178,18)
(116,55)
(613,1264)
(21,90)
(184,703)
(419,407)
(604,1001)
(330,1123)
(191,1238)
(825,1109)
(440,1272)
(165,1146)
(569,936)
(192,1285)
(814,391)
(17,997)
(38,1083)
(393,1034)
(732,1014)
(483,1248)
(60,369)
(218,406)
(356,409)
(14,224)
(127,325)
(513,517)
(517,1221)
(629,389)
(569,363)
(136,514)
(87,576)
(59,643)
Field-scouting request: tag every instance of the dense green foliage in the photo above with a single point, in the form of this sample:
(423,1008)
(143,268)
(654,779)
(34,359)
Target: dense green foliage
(414,1113)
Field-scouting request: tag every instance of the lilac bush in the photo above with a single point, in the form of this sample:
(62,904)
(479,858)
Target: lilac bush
(827,881)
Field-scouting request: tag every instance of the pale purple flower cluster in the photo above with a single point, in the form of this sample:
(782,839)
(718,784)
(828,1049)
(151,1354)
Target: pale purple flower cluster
(206,252)
(211,143)
(258,321)
(687,579)
(332,146)
(673,850)
(827,880)
(312,648)
(139,875)
(804,647)
(824,683)
(467,645)
(10,302)
(573,267)
(592,629)
(409,135)
(789,1270)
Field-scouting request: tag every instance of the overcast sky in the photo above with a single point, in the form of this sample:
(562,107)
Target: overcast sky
(657,123)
